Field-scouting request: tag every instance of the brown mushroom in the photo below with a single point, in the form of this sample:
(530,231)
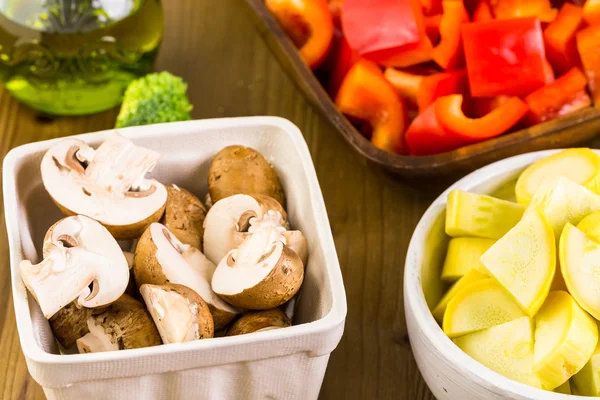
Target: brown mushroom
(184,216)
(259,321)
(242,170)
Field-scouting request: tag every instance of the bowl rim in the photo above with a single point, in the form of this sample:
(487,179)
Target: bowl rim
(414,297)
(312,332)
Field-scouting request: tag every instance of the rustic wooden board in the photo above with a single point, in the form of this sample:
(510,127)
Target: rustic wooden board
(576,128)
(232,72)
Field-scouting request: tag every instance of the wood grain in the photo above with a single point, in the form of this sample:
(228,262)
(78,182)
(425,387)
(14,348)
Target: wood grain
(576,128)
(232,72)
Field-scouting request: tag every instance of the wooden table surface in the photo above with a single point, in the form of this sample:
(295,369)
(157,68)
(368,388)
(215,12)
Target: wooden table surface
(216,48)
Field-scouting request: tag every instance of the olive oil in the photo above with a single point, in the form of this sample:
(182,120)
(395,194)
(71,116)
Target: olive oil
(73,57)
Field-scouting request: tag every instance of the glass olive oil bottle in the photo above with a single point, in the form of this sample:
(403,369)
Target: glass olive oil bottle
(73,57)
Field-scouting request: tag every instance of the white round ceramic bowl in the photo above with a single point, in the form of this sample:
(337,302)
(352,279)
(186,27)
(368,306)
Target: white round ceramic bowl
(450,373)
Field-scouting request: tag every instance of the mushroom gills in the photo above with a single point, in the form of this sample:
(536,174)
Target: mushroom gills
(78,252)
(97,340)
(239,213)
(125,324)
(178,312)
(110,186)
(261,273)
(161,258)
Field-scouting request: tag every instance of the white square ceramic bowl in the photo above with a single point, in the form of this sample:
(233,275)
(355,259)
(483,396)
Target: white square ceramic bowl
(280,364)
(449,372)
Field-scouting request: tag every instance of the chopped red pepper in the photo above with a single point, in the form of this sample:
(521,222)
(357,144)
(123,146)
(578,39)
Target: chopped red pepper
(405,83)
(374,25)
(561,96)
(505,57)
(451,117)
(432,7)
(448,54)
(366,95)
(588,44)
(485,105)
(591,12)
(343,59)
(559,36)
(432,27)
(425,135)
(442,84)
(308,23)
(483,12)
(508,9)
(408,55)
(336,7)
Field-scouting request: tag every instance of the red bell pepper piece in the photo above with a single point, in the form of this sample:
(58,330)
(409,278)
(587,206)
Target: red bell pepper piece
(566,94)
(308,23)
(484,105)
(381,24)
(406,84)
(366,95)
(508,9)
(336,7)
(432,27)
(448,110)
(442,84)
(505,57)
(591,12)
(483,12)
(406,56)
(343,59)
(588,44)
(431,7)
(559,36)
(425,136)
(448,54)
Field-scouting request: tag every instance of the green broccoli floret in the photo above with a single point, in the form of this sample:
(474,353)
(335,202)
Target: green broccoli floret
(154,98)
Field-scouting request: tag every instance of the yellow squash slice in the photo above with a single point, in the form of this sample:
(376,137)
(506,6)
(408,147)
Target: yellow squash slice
(590,225)
(580,266)
(524,261)
(470,277)
(565,339)
(587,381)
(582,166)
(506,349)
(476,215)
(463,254)
(565,388)
(480,305)
(561,200)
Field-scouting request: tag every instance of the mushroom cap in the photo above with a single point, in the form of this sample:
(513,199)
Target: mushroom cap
(107,184)
(242,170)
(160,258)
(255,321)
(184,216)
(78,251)
(126,323)
(235,214)
(262,273)
(178,312)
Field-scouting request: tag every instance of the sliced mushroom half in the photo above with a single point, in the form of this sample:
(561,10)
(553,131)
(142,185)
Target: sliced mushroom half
(125,324)
(160,258)
(81,261)
(70,323)
(232,215)
(178,312)
(262,273)
(107,184)
(259,321)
